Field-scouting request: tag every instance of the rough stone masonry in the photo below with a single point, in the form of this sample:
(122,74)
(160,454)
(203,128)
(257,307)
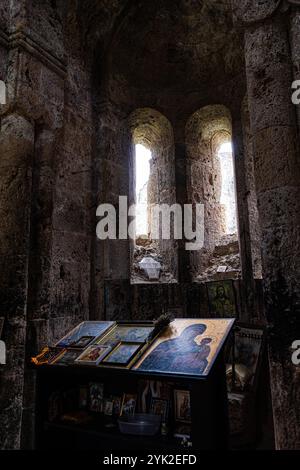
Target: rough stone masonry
(85,81)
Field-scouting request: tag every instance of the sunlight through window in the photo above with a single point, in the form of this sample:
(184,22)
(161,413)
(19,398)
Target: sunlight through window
(228,188)
(142,165)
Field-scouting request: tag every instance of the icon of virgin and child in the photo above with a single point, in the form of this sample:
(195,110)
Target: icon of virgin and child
(181,354)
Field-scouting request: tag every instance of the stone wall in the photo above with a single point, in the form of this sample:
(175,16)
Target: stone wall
(254,225)
(75,73)
(65,148)
(45,198)
(269,69)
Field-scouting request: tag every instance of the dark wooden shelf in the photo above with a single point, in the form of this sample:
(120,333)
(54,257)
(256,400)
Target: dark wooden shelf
(113,435)
(209,427)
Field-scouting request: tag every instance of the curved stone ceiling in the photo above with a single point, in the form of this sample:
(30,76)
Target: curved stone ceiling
(177,44)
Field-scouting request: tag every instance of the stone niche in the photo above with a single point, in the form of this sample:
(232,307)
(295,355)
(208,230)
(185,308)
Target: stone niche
(153,130)
(206,131)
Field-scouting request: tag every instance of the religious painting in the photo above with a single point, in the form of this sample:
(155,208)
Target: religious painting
(66,357)
(159,407)
(221,299)
(96,397)
(93,355)
(182,405)
(108,407)
(46,356)
(117,404)
(186,346)
(122,354)
(128,404)
(248,345)
(83,397)
(84,333)
(248,342)
(127,332)
(150,390)
(82,342)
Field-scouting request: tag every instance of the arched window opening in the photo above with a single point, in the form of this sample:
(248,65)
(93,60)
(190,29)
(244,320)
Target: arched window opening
(211,182)
(227,198)
(152,182)
(142,167)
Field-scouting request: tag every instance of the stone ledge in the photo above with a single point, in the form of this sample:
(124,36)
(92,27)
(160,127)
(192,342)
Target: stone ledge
(24,41)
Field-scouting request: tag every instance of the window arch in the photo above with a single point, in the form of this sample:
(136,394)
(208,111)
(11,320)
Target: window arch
(221,144)
(228,186)
(153,150)
(211,181)
(143,157)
